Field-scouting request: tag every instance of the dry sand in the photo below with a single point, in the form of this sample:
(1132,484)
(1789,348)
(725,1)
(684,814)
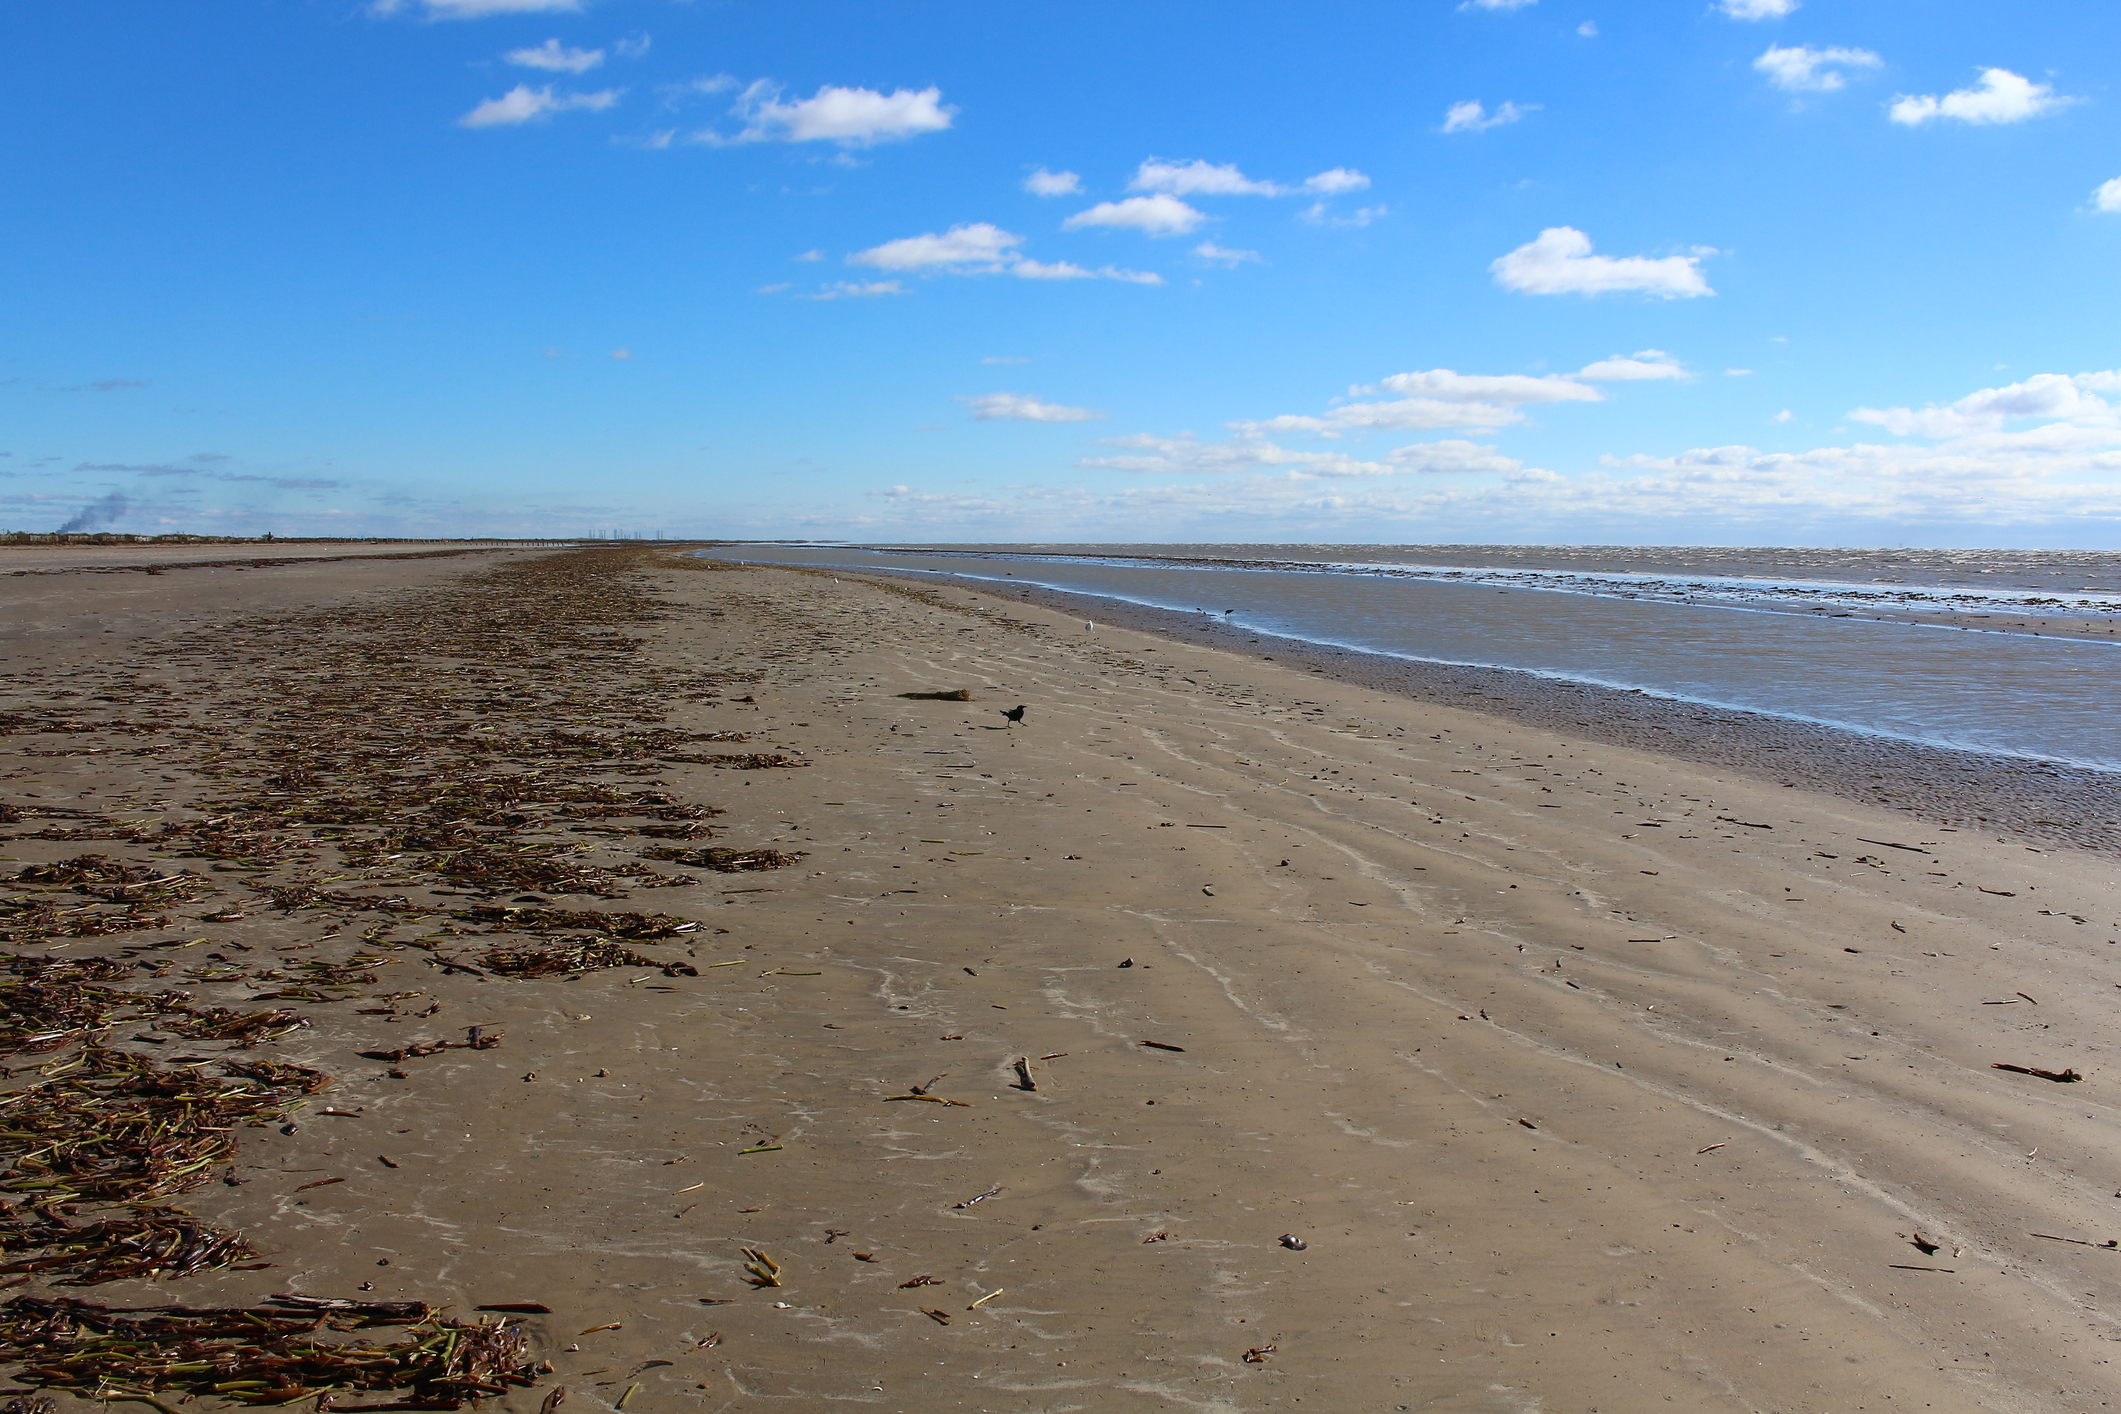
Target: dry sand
(1691,1104)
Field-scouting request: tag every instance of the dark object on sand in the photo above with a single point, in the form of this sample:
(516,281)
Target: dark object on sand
(1014,714)
(1291,1241)
(2061,1077)
(955,694)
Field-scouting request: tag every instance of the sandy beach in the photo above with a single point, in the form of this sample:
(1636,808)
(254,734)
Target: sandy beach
(1193,1045)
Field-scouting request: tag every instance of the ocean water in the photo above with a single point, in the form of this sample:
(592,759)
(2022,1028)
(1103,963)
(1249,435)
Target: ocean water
(1933,646)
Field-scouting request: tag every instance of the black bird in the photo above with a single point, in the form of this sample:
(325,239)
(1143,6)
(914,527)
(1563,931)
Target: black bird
(1014,714)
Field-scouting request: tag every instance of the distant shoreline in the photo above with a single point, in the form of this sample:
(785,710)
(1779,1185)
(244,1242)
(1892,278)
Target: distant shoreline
(2042,802)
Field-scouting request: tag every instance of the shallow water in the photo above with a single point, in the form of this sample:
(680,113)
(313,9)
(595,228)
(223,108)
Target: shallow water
(1741,629)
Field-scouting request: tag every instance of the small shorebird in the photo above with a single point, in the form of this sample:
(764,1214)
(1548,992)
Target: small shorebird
(1014,714)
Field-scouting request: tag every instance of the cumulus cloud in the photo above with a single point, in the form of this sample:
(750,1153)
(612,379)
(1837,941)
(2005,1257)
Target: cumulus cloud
(982,248)
(1249,452)
(1642,365)
(1803,69)
(474,9)
(1159,215)
(1197,178)
(2000,97)
(978,244)
(523,104)
(2107,197)
(552,57)
(1045,183)
(1011,407)
(1472,116)
(2043,395)
(1209,250)
(850,117)
(1319,214)
(849,289)
(1431,400)
(1560,262)
(1335,181)
(1757,9)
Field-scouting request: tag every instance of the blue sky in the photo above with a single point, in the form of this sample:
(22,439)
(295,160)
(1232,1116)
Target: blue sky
(1711,271)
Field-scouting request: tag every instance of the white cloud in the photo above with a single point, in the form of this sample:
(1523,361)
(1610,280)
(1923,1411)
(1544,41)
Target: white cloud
(811,255)
(1802,69)
(2108,196)
(632,47)
(1588,29)
(2001,97)
(1472,116)
(1432,400)
(851,117)
(1005,360)
(1319,214)
(1209,250)
(1045,183)
(1496,4)
(1335,181)
(1249,452)
(773,289)
(1737,372)
(475,9)
(622,354)
(1053,270)
(1159,215)
(872,289)
(553,58)
(1757,9)
(1197,178)
(2043,395)
(1784,416)
(1010,407)
(523,103)
(983,249)
(1636,367)
(1560,262)
(977,244)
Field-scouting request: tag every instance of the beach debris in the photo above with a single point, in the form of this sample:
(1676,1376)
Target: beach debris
(151,1242)
(553,1401)
(985,1299)
(726,861)
(1128,963)
(979,1198)
(923,1280)
(1904,1267)
(865,1257)
(1022,1066)
(607,1326)
(1897,928)
(319,1183)
(475,1039)
(1890,844)
(1734,820)
(568,959)
(758,1149)
(761,1270)
(1527,1124)
(2061,1077)
(517,1308)
(1258,1354)
(1160,1046)
(1157,1236)
(1922,1244)
(260,1355)
(2034,1000)
(951,694)
(631,1391)
(1711,1148)
(2078,1241)
(1999,893)
(1291,1241)
(941,1318)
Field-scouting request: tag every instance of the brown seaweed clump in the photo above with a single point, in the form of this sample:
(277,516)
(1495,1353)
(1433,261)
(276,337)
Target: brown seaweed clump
(564,959)
(725,861)
(262,1355)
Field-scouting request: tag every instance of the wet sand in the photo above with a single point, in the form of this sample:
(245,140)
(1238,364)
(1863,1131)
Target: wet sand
(1690,1103)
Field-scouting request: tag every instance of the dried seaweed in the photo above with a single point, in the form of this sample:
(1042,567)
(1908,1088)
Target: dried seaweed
(261,1355)
(566,959)
(152,1241)
(725,861)
(640,927)
(115,1127)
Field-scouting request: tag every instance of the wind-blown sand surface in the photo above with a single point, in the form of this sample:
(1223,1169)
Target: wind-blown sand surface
(1689,1103)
